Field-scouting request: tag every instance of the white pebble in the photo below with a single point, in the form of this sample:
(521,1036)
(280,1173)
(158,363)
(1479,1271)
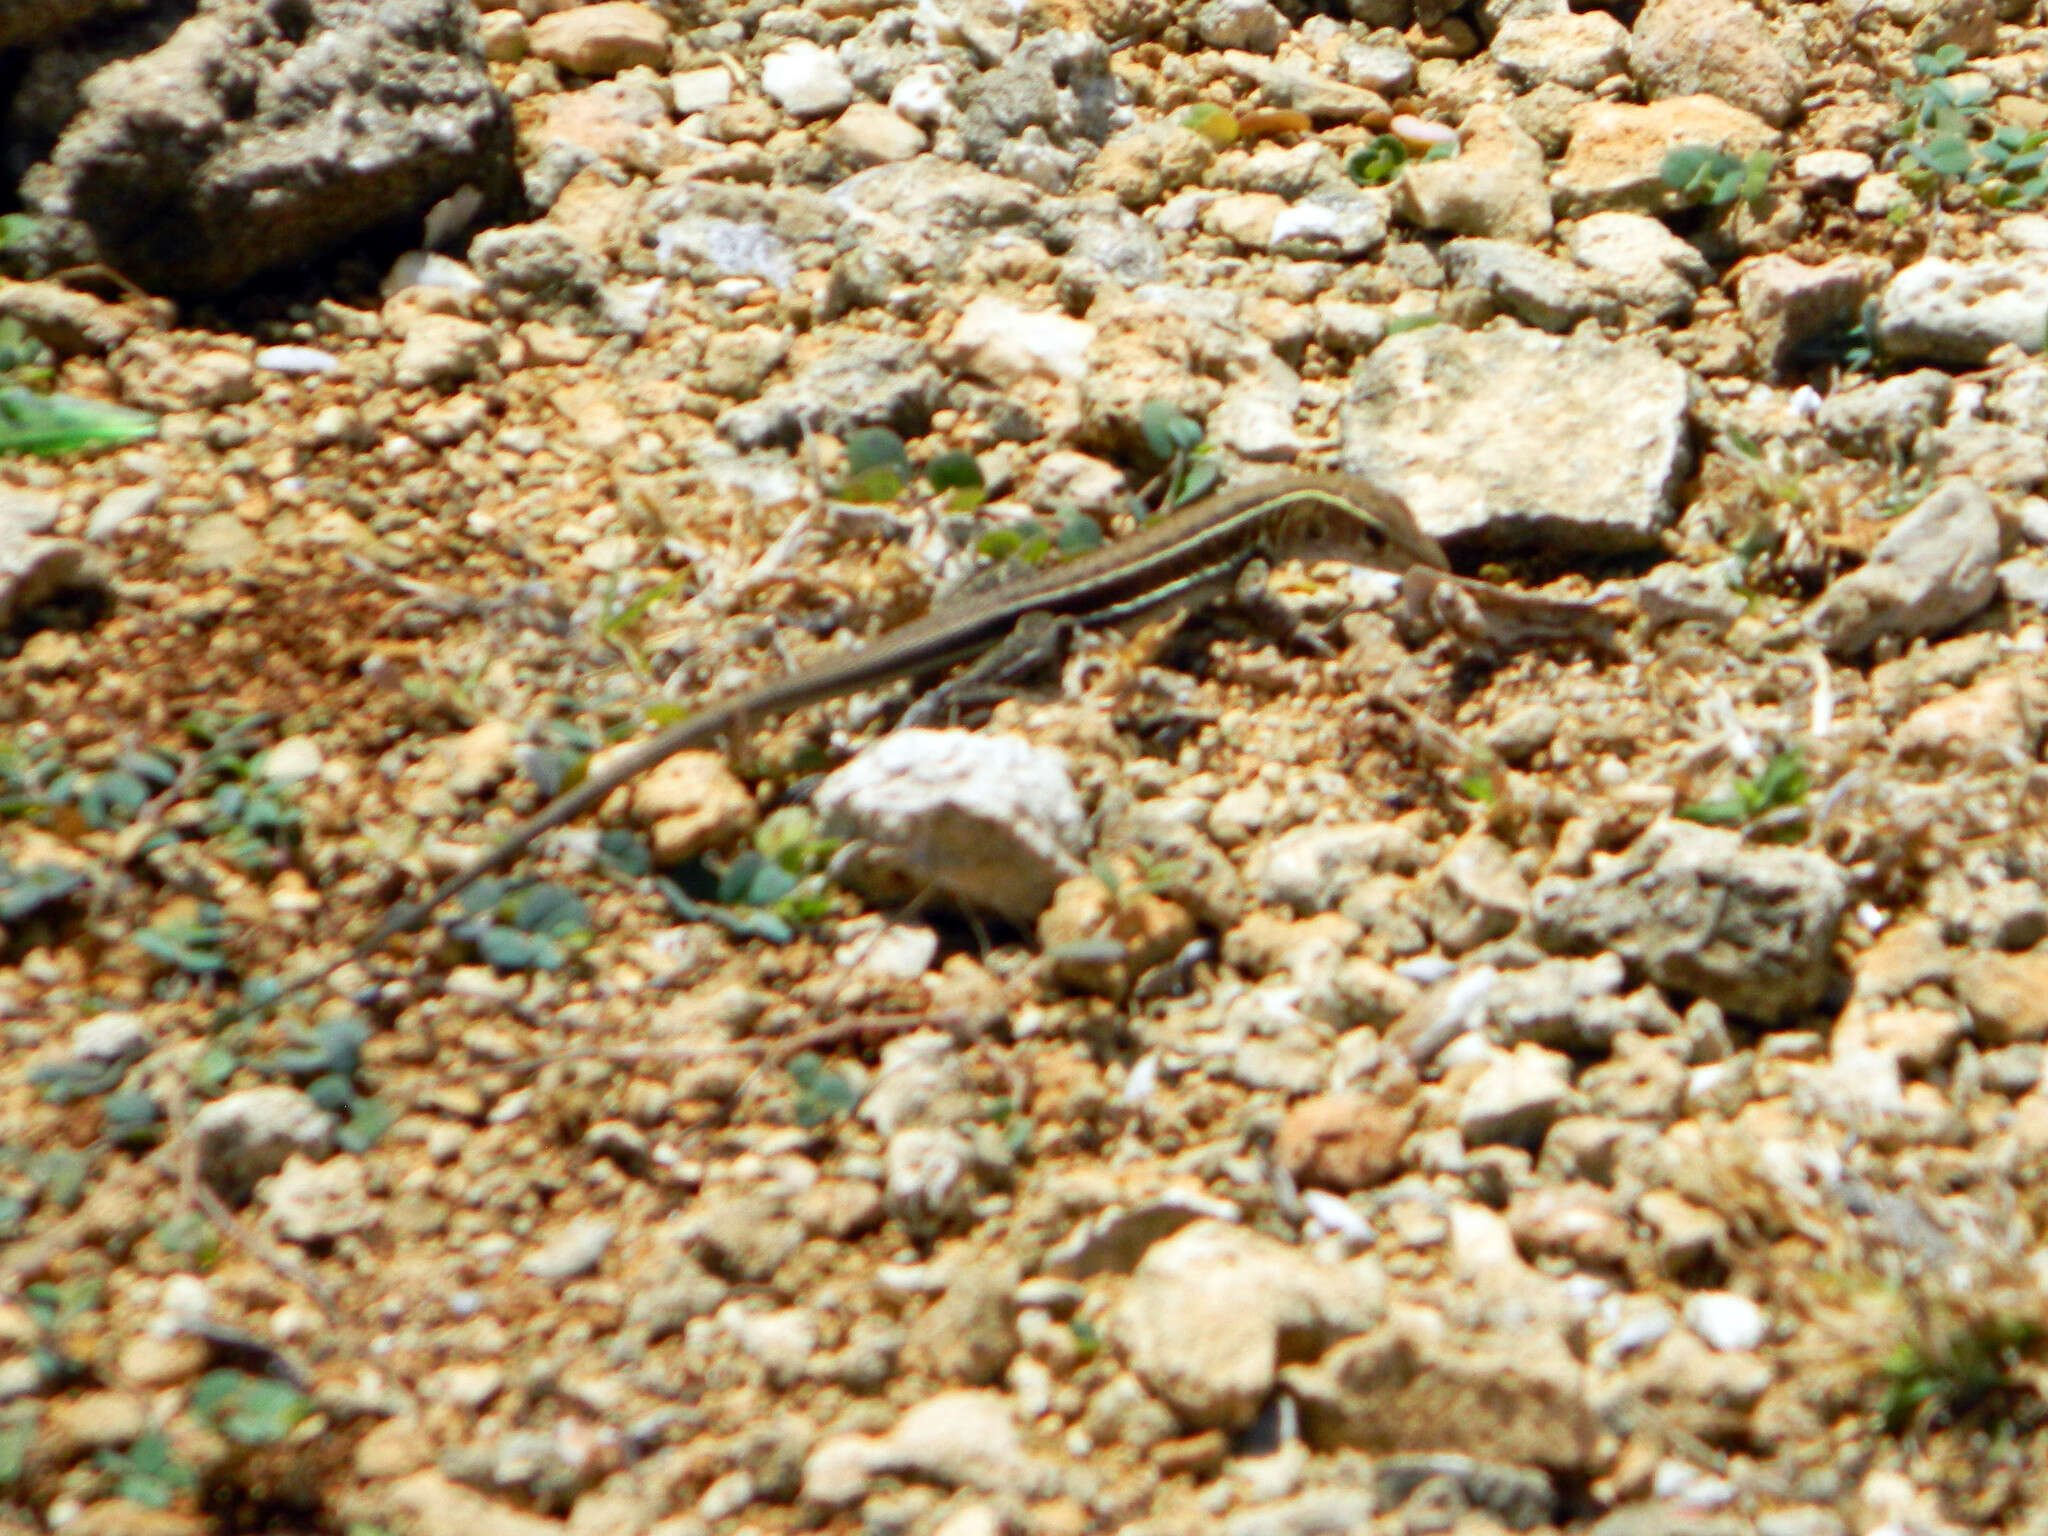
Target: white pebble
(1728,1322)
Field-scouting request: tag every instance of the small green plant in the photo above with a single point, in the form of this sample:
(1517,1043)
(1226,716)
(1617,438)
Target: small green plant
(619,623)
(1386,157)
(324,1061)
(250,1410)
(1087,1338)
(1400,325)
(524,927)
(1479,786)
(191,1237)
(1768,471)
(958,473)
(1177,438)
(1782,782)
(1948,1370)
(147,1473)
(1069,532)
(187,944)
(1014,1129)
(253,819)
(878,469)
(57,426)
(765,891)
(32,887)
(1706,174)
(1947,137)
(822,1095)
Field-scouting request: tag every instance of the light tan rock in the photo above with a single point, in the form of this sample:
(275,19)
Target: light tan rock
(1616,158)
(1493,186)
(602,39)
(1716,47)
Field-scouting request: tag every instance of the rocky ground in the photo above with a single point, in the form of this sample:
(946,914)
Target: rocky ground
(1569,1064)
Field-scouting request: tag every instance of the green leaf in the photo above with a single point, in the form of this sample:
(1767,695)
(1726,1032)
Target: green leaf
(1684,166)
(877,467)
(1167,429)
(1947,154)
(876,448)
(1196,481)
(1377,163)
(186,944)
(822,1094)
(754,880)
(1721,811)
(190,1236)
(23,891)
(1479,786)
(1401,323)
(959,473)
(52,426)
(15,227)
(1078,533)
(250,1410)
(66,1082)
(740,922)
(1784,781)
(368,1120)
(1744,444)
(882,482)
(1756,175)
(130,1118)
(510,950)
(548,908)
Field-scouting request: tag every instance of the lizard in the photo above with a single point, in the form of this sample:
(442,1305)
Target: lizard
(1185,558)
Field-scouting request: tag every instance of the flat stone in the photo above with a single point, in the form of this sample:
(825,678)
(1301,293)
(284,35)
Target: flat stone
(1947,311)
(602,39)
(1936,567)
(1406,1387)
(1718,48)
(1493,186)
(1699,910)
(1202,1321)
(1616,155)
(1571,442)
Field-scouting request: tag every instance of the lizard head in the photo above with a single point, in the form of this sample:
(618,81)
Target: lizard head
(1341,517)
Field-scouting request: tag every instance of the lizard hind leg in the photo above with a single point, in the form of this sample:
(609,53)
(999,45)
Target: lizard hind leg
(1035,641)
(1252,595)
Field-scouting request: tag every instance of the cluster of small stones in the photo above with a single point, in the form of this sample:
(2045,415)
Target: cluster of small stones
(1394,1118)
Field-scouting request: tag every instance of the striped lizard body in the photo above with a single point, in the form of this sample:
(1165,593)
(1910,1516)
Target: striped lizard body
(1183,559)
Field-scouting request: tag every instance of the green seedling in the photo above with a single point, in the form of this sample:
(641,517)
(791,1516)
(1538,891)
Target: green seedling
(524,927)
(1782,782)
(250,1410)
(146,1473)
(878,469)
(1176,437)
(58,426)
(1704,174)
(1952,1371)
(187,944)
(822,1095)
(1947,138)
(767,890)
(1386,157)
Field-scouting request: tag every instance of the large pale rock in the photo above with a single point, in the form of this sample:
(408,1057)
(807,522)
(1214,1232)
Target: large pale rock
(1575,441)
(1203,1320)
